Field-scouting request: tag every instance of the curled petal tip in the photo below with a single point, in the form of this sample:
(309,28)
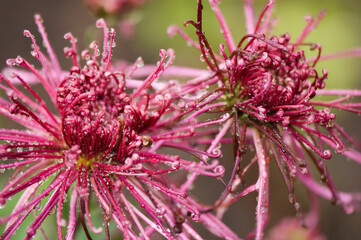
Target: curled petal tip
(38,18)
(27,33)
(68,35)
(10,62)
(100,23)
(172,30)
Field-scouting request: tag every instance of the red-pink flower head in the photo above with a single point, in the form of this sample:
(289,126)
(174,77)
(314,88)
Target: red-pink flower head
(266,78)
(268,87)
(292,229)
(101,7)
(270,78)
(119,12)
(103,142)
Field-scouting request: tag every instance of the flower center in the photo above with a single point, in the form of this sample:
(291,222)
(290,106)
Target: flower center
(271,77)
(91,103)
(272,73)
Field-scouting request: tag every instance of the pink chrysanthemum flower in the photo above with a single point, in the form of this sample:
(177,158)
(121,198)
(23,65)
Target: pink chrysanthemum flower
(269,87)
(100,7)
(292,229)
(118,11)
(101,142)
(300,229)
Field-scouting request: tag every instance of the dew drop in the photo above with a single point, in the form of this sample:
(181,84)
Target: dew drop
(202,58)
(30,231)
(127,224)
(297,205)
(62,223)
(323,178)
(140,63)
(226,116)
(160,211)
(327,154)
(304,170)
(291,198)
(263,209)
(195,217)
(176,165)
(52,211)
(38,206)
(2,202)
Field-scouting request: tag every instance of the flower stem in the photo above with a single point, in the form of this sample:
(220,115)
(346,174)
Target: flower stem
(262,185)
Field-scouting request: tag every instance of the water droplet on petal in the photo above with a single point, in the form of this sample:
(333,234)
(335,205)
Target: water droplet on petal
(140,63)
(195,216)
(202,58)
(327,154)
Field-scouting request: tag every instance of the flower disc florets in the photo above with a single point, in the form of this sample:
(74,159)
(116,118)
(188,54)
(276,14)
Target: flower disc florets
(92,103)
(271,80)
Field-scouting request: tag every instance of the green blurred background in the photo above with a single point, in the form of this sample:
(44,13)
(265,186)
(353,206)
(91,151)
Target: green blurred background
(341,29)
